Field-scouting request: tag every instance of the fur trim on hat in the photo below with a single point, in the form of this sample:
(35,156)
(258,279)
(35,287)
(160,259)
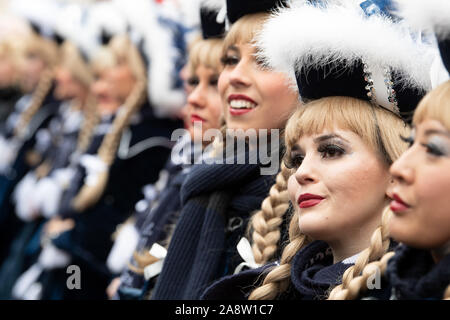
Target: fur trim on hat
(296,39)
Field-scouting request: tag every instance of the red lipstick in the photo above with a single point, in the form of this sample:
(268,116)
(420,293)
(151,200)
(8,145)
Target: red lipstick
(195,118)
(239,97)
(307,200)
(241,111)
(238,112)
(398,205)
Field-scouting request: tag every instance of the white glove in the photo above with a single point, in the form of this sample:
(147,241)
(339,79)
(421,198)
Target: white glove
(94,166)
(8,153)
(123,248)
(47,196)
(23,197)
(52,258)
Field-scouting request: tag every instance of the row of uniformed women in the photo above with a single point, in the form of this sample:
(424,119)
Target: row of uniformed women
(75,174)
(323,229)
(360,195)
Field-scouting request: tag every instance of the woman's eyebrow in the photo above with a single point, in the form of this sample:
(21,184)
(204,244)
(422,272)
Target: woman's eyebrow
(430,132)
(233,48)
(328,137)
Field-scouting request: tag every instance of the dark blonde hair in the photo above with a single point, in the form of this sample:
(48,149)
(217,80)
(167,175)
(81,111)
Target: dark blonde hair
(435,105)
(205,53)
(72,59)
(120,50)
(366,121)
(48,52)
(245,30)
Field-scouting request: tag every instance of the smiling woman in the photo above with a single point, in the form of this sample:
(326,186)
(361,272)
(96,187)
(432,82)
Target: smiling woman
(419,268)
(218,199)
(339,175)
(339,146)
(253,96)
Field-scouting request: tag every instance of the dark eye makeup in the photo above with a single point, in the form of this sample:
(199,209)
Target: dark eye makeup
(327,150)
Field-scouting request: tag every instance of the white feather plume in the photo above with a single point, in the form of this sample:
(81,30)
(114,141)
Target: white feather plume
(144,16)
(42,12)
(305,36)
(433,15)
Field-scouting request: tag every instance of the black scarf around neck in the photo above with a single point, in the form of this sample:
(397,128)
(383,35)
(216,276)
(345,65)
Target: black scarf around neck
(211,196)
(414,275)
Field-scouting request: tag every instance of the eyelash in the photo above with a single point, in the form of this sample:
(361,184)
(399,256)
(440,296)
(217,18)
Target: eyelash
(294,161)
(229,60)
(409,140)
(328,151)
(213,82)
(193,82)
(431,148)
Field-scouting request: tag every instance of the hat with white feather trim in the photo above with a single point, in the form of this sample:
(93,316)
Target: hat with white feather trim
(430,16)
(158,36)
(339,50)
(41,17)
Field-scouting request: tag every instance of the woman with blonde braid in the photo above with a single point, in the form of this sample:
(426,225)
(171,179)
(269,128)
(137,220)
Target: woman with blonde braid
(339,146)
(204,108)
(36,196)
(73,80)
(419,269)
(130,155)
(9,89)
(218,198)
(20,145)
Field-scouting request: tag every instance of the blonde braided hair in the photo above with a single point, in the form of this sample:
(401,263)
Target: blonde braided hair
(354,277)
(277,280)
(89,195)
(359,284)
(361,118)
(42,90)
(125,51)
(90,121)
(267,221)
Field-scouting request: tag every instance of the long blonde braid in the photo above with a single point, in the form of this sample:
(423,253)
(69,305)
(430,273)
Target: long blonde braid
(277,280)
(354,277)
(42,90)
(267,221)
(359,284)
(90,194)
(90,121)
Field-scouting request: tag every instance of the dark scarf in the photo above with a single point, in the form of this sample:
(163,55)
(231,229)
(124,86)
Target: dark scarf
(313,273)
(414,275)
(154,229)
(214,197)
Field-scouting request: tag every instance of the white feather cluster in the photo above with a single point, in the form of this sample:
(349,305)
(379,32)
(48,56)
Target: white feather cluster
(431,15)
(42,13)
(296,39)
(144,16)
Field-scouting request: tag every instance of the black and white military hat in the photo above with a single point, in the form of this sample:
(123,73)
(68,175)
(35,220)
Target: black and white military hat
(337,49)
